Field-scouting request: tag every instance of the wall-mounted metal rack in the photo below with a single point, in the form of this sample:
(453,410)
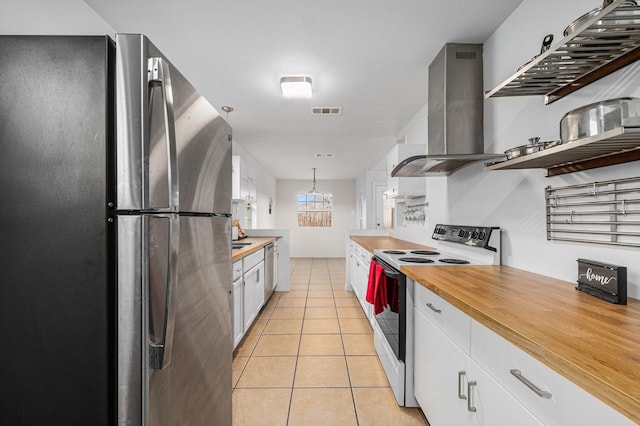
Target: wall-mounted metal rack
(605,212)
(604,43)
(615,146)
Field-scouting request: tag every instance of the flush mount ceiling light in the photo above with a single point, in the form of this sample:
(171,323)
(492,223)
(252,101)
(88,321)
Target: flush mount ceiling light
(296,87)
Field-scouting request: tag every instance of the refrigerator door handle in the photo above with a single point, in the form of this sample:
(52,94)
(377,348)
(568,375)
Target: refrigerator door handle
(159,74)
(160,352)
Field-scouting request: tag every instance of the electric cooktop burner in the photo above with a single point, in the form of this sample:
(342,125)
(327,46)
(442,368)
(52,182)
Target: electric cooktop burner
(415,260)
(454,261)
(425,252)
(393,252)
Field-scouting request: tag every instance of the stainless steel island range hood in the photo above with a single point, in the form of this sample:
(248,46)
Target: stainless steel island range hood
(455,114)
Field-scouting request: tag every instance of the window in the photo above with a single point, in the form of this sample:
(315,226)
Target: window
(315,210)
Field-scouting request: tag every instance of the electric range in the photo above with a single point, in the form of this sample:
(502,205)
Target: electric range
(454,245)
(393,326)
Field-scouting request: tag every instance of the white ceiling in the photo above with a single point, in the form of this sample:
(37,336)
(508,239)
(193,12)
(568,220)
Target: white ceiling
(369,57)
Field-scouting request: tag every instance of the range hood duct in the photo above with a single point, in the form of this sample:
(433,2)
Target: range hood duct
(455,114)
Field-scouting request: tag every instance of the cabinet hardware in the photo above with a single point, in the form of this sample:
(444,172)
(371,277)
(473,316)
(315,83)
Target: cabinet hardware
(518,375)
(461,395)
(470,406)
(434,309)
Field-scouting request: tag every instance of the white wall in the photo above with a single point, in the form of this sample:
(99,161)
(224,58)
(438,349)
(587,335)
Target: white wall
(514,200)
(60,17)
(317,242)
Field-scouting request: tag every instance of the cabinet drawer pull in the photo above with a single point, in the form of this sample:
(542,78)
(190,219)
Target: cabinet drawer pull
(434,309)
(470,406)
(518,375)
(460,385)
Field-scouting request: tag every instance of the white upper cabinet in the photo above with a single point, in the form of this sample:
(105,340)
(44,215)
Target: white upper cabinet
(405,187)
(243,180)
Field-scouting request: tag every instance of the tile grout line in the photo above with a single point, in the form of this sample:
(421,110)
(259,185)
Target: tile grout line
(295,368)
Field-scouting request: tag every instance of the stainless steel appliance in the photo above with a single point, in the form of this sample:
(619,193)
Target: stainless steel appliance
(115,177)
(268,271)
(455,114)
(393,328)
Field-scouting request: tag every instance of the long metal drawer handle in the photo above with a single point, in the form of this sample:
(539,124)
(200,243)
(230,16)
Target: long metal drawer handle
(470,406)
(434,309)
(518,375)
(460,385)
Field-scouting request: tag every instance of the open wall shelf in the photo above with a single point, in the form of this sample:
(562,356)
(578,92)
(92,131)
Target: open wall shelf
(615,146)
(602,44)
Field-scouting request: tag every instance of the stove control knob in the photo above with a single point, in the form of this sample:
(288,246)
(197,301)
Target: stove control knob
(461,233)
(483,235)
(475,235)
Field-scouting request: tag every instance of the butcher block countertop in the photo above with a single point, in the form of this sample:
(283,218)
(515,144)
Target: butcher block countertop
(593,343)
(256,244)
(386,243)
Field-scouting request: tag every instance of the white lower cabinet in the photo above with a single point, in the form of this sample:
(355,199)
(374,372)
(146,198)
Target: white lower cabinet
(238,316)
(248,293)
(548,395)
(360,259)
(253,293)
(491,404)
(439,368)
(465,374)
(451,388)
(238,301)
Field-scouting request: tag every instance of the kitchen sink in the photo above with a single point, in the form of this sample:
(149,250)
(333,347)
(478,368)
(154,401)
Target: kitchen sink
(235,246)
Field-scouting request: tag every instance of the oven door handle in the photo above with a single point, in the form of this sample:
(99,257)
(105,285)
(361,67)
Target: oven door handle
(393,275)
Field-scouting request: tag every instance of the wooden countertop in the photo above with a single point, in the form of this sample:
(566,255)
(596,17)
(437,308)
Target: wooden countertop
(593,343)
(371,243)
(256,244)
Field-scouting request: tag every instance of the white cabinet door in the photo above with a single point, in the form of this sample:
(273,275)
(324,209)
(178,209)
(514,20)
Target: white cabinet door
(259,287)
(406,186)
(453,390)
(276,259)
(248,302)
(493,405)
(356,276)
(238,317)
(441,373)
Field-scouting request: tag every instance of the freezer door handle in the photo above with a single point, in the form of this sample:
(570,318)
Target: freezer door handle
(159,75)
(160,352)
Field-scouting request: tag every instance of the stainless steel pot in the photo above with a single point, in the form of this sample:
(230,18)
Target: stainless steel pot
(581,20)
(599,117)
(533,146)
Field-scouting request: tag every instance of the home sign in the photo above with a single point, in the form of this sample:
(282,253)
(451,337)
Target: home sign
(608,282)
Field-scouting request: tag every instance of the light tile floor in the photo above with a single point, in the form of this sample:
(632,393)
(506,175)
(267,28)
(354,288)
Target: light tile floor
(309,358)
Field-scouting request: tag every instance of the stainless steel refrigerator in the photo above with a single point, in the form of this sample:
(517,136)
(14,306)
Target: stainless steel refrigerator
(115,258)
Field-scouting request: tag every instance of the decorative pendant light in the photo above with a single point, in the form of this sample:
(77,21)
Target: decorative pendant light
(314,190)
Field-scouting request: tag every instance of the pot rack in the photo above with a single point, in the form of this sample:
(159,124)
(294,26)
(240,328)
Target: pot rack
(606,212)
(604,43)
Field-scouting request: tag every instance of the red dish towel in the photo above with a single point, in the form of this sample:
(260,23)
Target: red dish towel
(377,288)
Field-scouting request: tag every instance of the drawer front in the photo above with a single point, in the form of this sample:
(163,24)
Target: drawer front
(237,270)
(453,322)
(253,259)
(365,256)
(560,401)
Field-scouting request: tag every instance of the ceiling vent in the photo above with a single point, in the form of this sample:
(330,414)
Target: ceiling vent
(326,110)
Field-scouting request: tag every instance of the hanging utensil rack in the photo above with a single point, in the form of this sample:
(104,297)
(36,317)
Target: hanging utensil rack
(604,43)
(606,212)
